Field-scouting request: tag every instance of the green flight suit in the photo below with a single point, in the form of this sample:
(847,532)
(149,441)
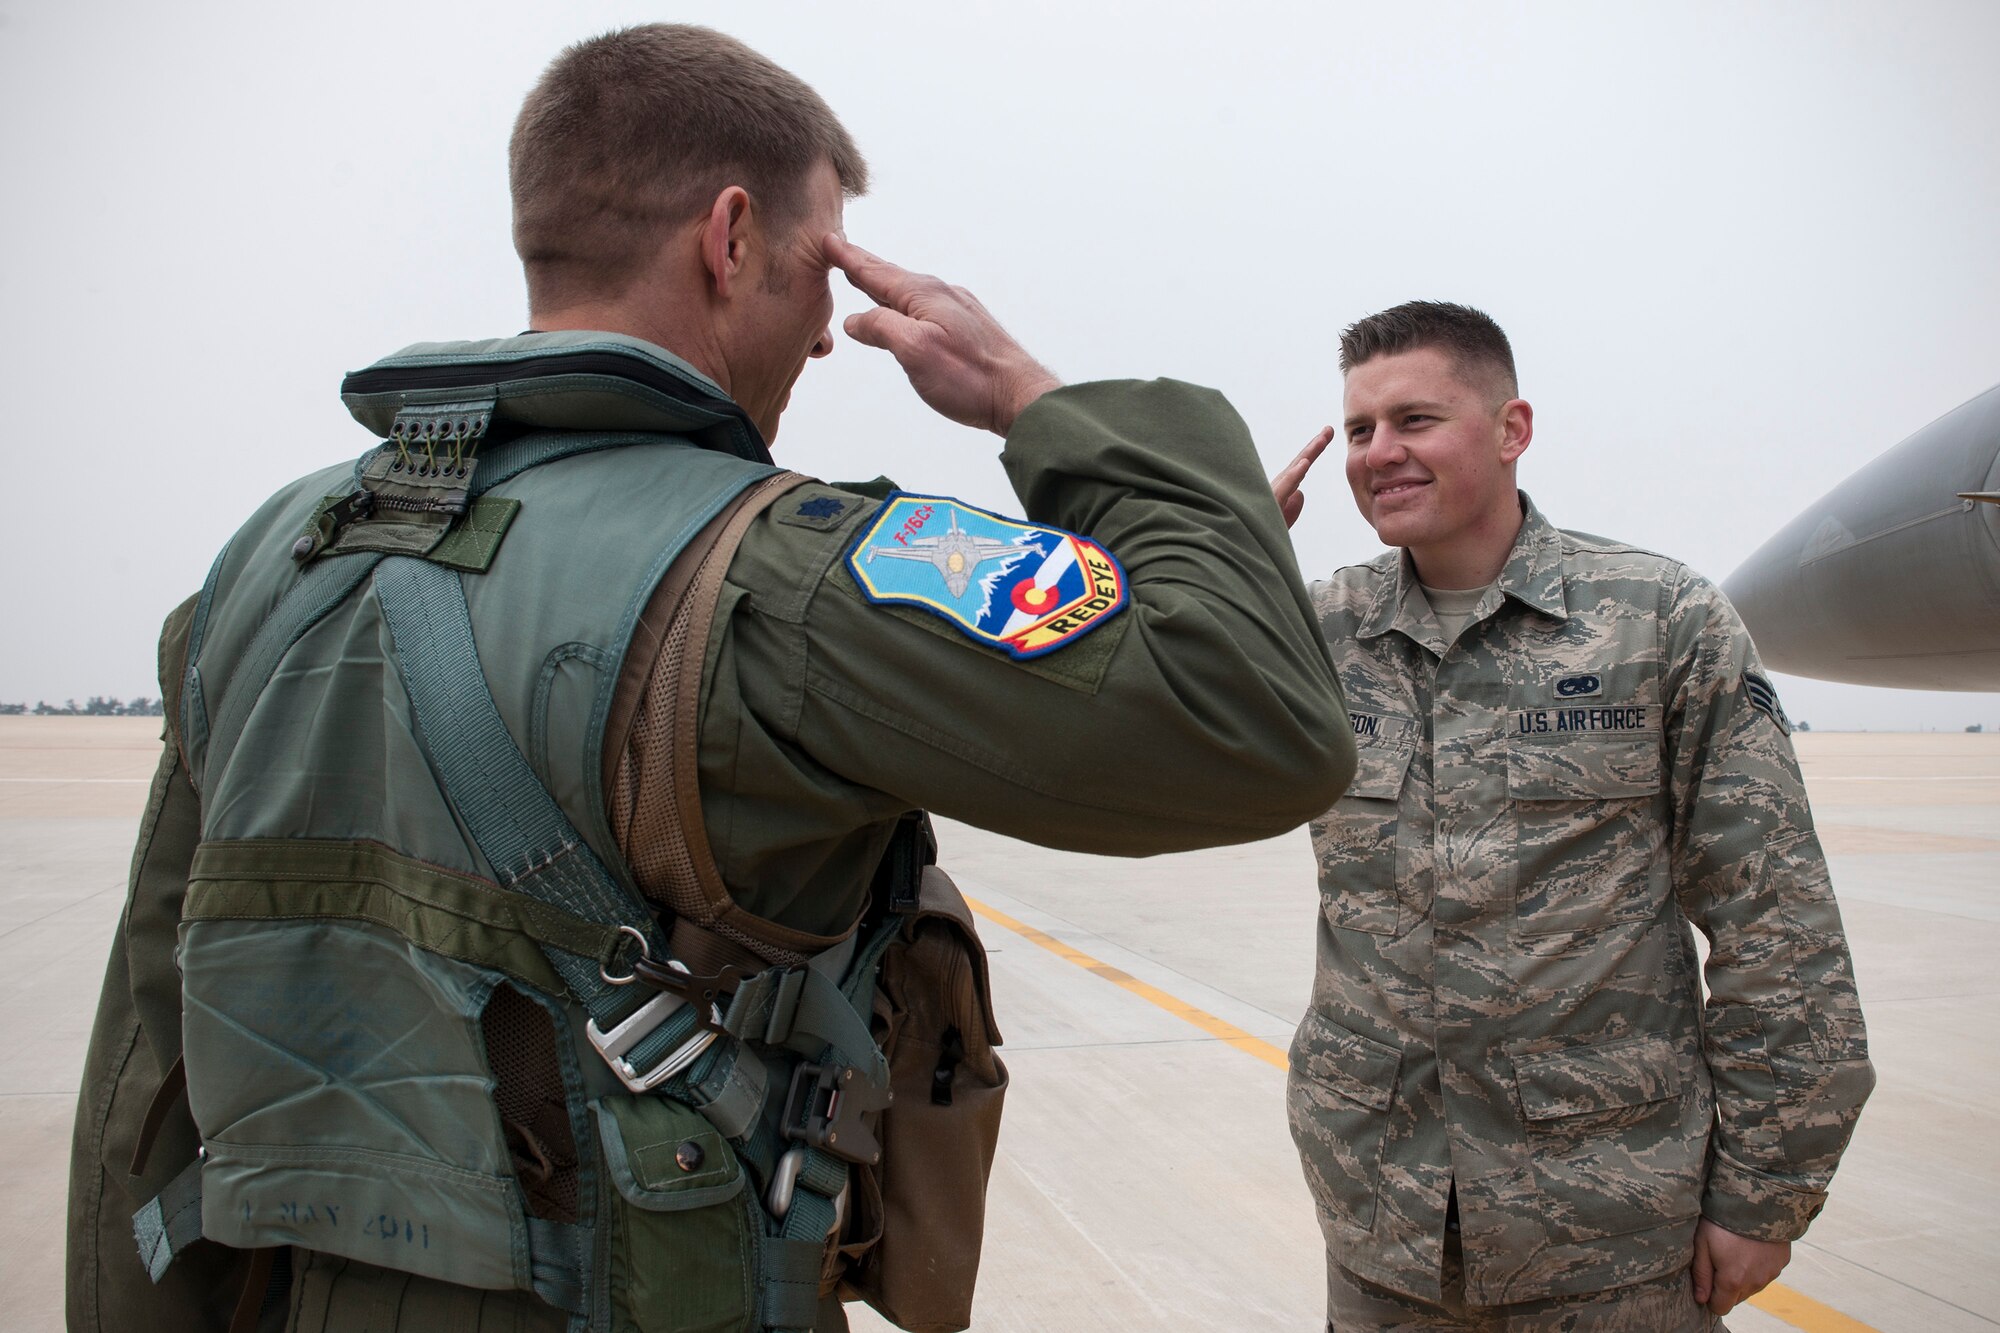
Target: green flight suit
(1205,712)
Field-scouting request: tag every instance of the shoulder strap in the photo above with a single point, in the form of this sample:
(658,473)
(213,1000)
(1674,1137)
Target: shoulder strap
(694,889)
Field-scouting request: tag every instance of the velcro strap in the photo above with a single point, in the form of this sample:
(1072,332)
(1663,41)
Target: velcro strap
(170,1222)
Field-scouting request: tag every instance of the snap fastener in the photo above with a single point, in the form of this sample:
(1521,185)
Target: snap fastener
(688,1157)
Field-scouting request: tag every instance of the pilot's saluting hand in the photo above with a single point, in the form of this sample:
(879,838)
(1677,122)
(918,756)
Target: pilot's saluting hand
(958,358)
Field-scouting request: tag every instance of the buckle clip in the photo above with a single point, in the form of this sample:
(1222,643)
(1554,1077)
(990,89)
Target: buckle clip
(645,1019)
(707,994)
(824,1109)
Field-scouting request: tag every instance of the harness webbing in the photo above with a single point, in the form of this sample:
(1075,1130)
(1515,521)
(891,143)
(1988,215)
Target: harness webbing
(518,827)
(170,1221)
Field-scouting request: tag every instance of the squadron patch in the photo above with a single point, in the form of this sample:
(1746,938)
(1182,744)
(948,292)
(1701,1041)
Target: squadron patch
(1016,586)
(1764,698)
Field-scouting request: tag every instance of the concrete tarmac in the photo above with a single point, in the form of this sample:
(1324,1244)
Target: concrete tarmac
(1145,1178)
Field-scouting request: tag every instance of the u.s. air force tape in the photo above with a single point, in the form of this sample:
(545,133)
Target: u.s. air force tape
(1019,587)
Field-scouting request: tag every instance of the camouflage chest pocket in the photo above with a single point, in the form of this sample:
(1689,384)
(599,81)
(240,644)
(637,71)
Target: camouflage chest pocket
(1361,870)
(1589,836)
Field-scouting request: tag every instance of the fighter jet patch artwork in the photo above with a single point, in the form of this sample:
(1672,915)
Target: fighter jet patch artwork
(1016,586)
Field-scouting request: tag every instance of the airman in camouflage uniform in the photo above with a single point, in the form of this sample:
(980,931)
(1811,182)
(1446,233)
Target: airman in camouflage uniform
(1514,1108)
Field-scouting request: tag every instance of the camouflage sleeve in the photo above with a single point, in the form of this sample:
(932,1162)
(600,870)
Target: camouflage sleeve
(1783,1034)
(136,1039)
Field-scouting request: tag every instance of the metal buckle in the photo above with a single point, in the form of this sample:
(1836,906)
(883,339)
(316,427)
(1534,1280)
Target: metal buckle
(824,1107)
(785,1184)
(614,1044)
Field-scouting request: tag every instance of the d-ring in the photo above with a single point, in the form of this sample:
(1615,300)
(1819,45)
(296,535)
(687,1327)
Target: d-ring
(644,953)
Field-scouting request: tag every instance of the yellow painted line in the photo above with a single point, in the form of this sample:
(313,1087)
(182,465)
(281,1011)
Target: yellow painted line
(1776,1300)
(1181,1009)
(1802,1311)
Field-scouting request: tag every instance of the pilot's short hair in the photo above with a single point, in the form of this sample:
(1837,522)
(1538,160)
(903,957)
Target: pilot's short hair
(1470,337)
(637,131)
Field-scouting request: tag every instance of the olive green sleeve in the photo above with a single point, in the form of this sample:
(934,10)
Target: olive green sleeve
(135,1041)
(1782,1027)
(1204,712)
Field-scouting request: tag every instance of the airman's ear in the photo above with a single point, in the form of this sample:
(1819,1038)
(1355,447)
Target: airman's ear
(725,240)
(1517,428)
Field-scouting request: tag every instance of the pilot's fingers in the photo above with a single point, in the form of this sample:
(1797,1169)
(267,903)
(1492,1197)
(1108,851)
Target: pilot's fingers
(891,330)
(881,281)
(1291,505)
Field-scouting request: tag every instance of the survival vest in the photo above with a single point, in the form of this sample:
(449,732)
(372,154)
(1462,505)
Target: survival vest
(430,1023)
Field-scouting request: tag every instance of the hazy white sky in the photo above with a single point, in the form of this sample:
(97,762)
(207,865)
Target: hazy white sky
(1740,248)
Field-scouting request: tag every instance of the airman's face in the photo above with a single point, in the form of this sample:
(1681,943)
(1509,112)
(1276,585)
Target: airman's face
(1427,451)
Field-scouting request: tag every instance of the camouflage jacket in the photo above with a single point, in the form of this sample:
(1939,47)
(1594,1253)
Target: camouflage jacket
(1508,994)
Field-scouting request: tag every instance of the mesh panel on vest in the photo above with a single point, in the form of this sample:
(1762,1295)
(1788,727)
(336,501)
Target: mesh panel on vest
(521,1050)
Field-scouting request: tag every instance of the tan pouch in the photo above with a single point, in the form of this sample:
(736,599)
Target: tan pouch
(934,1019)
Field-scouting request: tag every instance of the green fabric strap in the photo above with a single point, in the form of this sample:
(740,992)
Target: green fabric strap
(789,1280)
(800,1009)
(457,915)
(728,1087)
(170,1222)
(517,825)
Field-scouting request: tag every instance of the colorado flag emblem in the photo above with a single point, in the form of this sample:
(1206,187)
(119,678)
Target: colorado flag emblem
(1022,588)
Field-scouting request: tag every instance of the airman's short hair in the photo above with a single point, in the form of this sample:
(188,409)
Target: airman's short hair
(637,131)
(1470,337)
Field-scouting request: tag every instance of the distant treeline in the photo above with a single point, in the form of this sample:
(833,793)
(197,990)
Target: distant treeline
(95,706)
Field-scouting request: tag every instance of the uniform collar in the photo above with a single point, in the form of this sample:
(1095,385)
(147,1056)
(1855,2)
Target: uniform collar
(1532,576)
(569,380)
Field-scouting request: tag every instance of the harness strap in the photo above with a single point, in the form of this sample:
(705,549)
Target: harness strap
(802,1010)
(517,826)
(170,1222)
(694,888)
(789,1276)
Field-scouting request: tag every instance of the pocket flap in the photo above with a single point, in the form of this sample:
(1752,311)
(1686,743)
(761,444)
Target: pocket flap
(1379,770)
(1582,1079)
(664,1156)
(938,896)
(1583,770)
(1358,1069)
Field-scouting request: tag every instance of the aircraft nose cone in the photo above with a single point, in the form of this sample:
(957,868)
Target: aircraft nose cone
(1891,578)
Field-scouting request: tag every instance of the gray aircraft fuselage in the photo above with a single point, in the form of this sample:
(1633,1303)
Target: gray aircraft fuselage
(1893,577)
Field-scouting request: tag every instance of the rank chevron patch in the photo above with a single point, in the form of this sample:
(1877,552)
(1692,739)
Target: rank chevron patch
(1019,587)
